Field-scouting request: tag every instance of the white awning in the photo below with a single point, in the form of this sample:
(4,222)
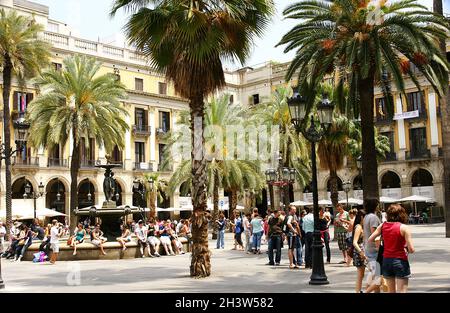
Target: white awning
(301,203)
(352,201)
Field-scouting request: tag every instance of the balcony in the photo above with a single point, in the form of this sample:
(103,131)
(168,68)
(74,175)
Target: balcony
(417,155)
(162,131)
(423,115)
(390,157)
(165,168)
(53,162)
(25,162)
(142,130)
(88,164)
(383,119)
(142,166)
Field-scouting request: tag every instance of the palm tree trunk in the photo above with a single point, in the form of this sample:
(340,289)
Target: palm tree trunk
(334,188)
(369,155)
(74,169)
(445,118)
(152,204)
(201,259)
(216,204)
(7,75)
(234,200)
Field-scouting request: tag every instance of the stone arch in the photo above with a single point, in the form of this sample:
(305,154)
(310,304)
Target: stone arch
(122,189)
(422,177)
(86,186)
(390,179)
(18,185)
(184,190)
(56,186)
(340,182)
(383,172)
(60,178)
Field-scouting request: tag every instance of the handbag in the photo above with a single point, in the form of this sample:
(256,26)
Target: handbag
(22,242)
(381,249)
(70,240)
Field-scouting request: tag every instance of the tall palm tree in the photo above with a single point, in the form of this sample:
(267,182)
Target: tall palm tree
(294,148)
(332,150)
(382,143)
(232,175)
(364,45)
(445,117)
(187,40)
(22,55)
(77,102)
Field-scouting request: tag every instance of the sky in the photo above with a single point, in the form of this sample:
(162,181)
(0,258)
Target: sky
(89,19)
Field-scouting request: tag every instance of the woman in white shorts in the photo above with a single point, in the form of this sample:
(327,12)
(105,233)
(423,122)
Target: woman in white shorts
(153,241)
(97,239)
(165,239)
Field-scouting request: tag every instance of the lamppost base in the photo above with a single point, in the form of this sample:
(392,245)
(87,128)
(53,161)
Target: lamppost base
(319,281)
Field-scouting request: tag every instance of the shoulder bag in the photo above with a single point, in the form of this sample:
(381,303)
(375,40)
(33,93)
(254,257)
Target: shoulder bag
(381,248)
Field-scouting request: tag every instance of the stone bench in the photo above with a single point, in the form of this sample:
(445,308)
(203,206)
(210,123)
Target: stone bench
(88,251)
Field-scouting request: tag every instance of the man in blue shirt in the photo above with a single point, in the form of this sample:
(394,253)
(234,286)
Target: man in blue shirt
(308,227)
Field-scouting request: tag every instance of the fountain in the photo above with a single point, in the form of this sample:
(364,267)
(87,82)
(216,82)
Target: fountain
(110,214)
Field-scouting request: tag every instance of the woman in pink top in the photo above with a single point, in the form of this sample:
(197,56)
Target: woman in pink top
(398,244)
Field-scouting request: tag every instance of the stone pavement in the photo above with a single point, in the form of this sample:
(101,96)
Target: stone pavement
(233,271)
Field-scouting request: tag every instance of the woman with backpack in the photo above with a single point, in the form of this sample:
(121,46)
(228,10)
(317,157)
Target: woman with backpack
(359,258)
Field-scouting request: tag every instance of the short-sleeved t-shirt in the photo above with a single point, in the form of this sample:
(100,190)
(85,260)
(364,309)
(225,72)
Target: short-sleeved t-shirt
(257,225)
(341,228)
(54,234)
(370,221)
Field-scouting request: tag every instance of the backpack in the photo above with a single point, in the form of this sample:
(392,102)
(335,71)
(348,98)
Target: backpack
(240,225)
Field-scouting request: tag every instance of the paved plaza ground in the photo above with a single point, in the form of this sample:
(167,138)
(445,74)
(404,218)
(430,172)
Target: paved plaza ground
(233,271)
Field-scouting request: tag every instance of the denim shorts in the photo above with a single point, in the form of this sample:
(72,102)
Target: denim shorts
(395,268)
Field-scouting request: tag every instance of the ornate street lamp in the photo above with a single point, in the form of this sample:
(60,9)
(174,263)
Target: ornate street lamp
(281,177)
(347,186)
(33,195)
(21,128)
(298,110)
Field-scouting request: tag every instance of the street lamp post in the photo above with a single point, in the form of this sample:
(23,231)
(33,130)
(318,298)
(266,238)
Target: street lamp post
(347,186)
(282,177)
(20,133)
(298,110)
(33,195)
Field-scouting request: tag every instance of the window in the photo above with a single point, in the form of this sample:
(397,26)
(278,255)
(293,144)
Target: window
(161,155)
(139,152)
(116,155)
(141,118)
(390,156)
(88,152)
(231,99)
(418,142)
(256,98)
(21,101)
(139,84)
(57,66)
(162,87)
(164,121)
(381,109)
(416,102)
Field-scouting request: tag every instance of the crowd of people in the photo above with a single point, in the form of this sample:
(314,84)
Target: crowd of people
(376,244)
(377,247)
(150,236)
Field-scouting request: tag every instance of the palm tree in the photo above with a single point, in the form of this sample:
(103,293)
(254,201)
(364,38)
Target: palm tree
(22,55)
(365,46)
(77,102)
(293,147)
(232,175)
(445,118)
(332,150)
(382,144)
(154,192)
(187,40)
